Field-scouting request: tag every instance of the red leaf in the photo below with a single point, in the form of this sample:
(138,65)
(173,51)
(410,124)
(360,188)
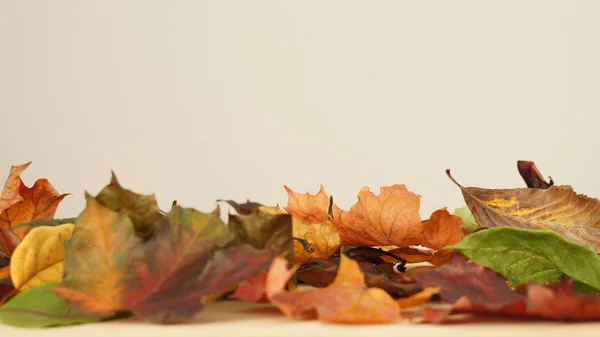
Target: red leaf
(533,178)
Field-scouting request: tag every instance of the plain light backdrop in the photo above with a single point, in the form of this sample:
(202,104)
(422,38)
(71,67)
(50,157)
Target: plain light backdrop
(200,100)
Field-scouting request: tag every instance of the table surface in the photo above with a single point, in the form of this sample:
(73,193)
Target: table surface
(238,319)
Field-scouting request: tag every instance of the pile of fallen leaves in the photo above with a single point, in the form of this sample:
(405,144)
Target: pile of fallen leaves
(520,252)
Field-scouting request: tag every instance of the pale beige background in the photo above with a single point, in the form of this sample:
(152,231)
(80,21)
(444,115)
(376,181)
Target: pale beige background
(199,100)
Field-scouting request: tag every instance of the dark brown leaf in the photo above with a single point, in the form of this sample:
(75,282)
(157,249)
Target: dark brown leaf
(246,208)
(533,178)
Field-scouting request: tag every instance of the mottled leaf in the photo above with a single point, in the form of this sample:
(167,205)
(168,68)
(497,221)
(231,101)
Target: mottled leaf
(141,209)
(97,259)
(524,256)
(558,208)
(39,308)
(264,229)
(178,273)
(532,177)
(346,300)
(167,277)
(38,260)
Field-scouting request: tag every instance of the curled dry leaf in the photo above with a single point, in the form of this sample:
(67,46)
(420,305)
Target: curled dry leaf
(346,300)
(38,260)
(533,178)
(322,237)
(165,278)
(322,273)
(38,202)
(10,193)
(558,208)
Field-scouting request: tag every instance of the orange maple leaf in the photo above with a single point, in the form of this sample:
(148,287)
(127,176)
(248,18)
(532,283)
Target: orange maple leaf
(346,300)
(390,218)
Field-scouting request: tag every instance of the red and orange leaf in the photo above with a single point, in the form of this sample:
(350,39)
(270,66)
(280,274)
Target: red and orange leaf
(442,229)
(346,300)
(10,192)
(37,202)
(253,289)
(183,265)
(390,218)
(97,259)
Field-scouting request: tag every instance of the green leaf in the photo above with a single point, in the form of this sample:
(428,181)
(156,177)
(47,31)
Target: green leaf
(465,214)
(538,256)
(39,308)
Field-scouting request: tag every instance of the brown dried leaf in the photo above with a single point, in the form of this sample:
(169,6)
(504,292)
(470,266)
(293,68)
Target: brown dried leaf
(574,216)
(533,178)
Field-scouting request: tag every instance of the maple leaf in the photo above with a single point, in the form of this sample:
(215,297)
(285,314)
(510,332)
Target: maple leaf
(38,259)
(390,218)
(532,177)
(558,208)
(21,204)
(9,241)
(142,209)
(309,208)
(346,300)
(167,277)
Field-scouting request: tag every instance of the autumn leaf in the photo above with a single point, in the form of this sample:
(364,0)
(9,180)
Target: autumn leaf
(413,255)
(165,278)
(322,272)
(7,290)
(533,178)
(265,229)
(346,300)
(252,289)
(10,192)
(558,208)
(419,298)
(38,202)
(38,260)
(312,240)
(525,256)
(97,260)
(470,225)
(390,218)
(473,288)
(9,240)
(142,209)
(311,209)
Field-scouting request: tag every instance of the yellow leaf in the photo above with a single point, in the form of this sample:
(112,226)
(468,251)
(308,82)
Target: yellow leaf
(38,260)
